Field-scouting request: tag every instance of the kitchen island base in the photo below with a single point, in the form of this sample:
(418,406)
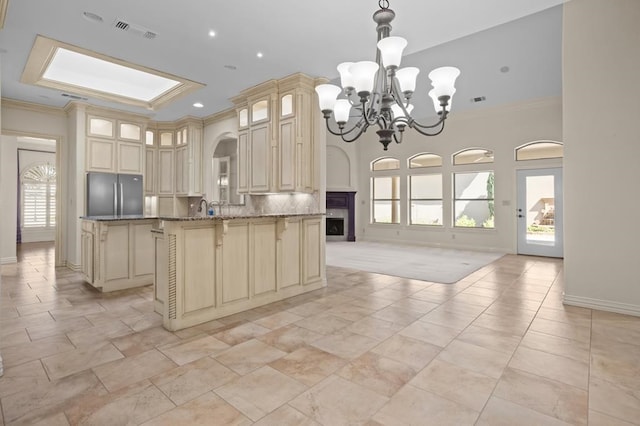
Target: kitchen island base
(212,268)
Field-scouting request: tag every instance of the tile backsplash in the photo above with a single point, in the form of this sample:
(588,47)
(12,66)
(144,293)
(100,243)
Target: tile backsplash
(295,203)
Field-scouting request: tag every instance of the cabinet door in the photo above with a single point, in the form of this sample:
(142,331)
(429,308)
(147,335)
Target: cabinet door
(130,158)
(165,171)
(260,158)
(243,162)
(180,181)
(116,252)
(86,252)
(287,156)
(150,171)
(312,262)
(101,155)
(263,268)
(290,255)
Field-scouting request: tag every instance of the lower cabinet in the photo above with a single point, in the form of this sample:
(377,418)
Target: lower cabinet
(222,266)
(118,254)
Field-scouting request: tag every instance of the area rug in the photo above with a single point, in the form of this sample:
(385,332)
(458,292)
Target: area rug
(433,264)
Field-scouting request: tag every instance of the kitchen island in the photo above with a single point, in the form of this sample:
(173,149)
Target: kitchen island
(117,252)
(211,267)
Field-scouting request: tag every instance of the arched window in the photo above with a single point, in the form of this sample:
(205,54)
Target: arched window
(39,197)
(539,151)
(425,159)
(386,163)
(473,156)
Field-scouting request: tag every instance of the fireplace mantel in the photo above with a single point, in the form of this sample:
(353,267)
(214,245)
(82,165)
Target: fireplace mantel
(344,200)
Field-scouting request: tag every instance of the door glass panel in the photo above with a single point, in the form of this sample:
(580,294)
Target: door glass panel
(259,111)
(130,131)
(540,210)
(166,139)
(286,106)
(243,117)
(100,127)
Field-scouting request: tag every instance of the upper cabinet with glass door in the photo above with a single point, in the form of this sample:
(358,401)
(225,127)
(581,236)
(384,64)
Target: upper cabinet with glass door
(114,146)
(275,130)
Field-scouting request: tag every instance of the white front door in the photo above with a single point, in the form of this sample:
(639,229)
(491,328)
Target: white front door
(539,212)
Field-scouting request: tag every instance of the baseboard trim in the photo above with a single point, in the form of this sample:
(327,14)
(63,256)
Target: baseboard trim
(602,305)
(7,260)
(72,266)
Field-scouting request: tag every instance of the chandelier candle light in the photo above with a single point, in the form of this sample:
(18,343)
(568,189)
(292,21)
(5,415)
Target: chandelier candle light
(384,90)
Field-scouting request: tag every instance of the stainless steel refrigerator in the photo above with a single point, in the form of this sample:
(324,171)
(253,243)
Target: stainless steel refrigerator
(110,194)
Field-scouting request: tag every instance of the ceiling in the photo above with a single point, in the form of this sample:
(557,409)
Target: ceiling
(479,37)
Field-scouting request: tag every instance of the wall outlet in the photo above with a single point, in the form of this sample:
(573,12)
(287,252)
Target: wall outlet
(453,236)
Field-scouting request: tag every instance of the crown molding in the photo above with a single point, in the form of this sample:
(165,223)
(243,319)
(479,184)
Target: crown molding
(33,107)
(220,116)
(3,11)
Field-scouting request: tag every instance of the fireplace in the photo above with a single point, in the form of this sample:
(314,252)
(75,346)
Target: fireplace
(340,216)
(335,226)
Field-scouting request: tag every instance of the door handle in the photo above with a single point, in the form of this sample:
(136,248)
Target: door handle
(520,215)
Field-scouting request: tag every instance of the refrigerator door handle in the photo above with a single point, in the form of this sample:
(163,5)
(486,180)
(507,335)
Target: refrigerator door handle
(115,199)
(121,199)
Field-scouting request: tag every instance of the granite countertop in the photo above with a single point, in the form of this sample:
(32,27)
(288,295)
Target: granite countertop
(111,218)
(236,216)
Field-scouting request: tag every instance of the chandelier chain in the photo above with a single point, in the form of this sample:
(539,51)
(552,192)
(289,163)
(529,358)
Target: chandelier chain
(384,4)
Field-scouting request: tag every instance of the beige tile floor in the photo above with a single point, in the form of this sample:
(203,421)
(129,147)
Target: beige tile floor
(496,348)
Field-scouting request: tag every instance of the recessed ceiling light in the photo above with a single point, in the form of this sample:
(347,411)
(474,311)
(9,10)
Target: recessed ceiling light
(92,17)
(212,33)
(504,69)
(198,105)
(259,55)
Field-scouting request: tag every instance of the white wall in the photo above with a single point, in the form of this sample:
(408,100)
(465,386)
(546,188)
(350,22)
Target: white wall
(601,45)
(8,195)
(499,129)
(28,120)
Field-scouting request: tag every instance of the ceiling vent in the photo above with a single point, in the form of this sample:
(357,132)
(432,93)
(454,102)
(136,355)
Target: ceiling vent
(478,99)
(138,30)
(74,97)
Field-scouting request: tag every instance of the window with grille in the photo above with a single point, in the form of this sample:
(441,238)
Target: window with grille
(39,197)
(385,191)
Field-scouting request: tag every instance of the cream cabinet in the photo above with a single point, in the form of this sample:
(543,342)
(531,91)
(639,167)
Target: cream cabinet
(177,163)
(165,171)
(277,150)
(86,250)
(217,267)
(114,146)
(150,167)
(182,171)
(118,254)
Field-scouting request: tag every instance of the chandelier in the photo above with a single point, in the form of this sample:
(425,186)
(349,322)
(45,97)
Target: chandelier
(381,91)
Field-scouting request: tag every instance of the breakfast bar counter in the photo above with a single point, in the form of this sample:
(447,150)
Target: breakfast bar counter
(211,267)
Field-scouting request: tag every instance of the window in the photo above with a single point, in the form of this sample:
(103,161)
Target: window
(539,151)
(473,156)
(385,164)
(39,197)
(425,160)
(425,192)
(473,202)
(385,191)
(386,199)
